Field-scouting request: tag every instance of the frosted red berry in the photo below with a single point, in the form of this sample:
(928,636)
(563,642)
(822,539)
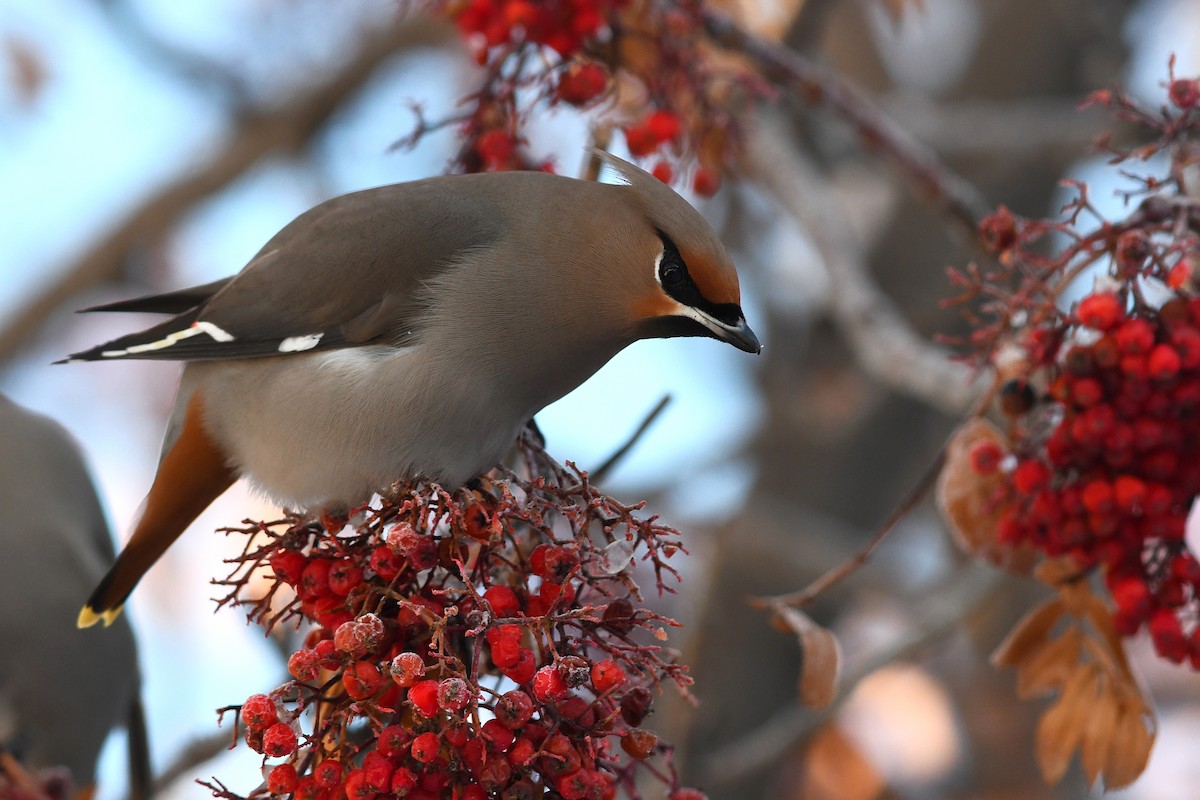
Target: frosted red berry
(278,740)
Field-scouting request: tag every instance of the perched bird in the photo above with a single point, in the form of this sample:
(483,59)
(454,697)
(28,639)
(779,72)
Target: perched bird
(60,692)
(410,331)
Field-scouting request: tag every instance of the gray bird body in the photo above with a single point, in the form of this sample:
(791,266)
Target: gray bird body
(61,692)
(409,331)
(430,397)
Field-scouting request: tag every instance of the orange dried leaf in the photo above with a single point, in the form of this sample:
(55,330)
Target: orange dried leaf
(821,657)
(1060,730)
(966,500)
(1031,632)
(1098,731)
(1131,742)
(1050,666)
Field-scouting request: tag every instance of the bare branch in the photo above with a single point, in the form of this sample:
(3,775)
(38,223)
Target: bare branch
(287,127)
(941,615)
(884,343)
(820,86)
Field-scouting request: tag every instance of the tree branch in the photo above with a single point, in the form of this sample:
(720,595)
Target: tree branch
(939,616)
(287,127)
(883,342)
(817,85)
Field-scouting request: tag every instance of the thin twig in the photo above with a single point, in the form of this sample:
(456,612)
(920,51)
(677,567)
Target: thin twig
(850,565)
(601,472)
(942,614)
(287,127)
(820,86)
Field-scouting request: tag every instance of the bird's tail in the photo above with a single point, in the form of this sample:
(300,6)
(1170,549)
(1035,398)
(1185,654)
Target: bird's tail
(193,472)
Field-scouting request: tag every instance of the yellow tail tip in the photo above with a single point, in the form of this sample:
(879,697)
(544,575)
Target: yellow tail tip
(88,616)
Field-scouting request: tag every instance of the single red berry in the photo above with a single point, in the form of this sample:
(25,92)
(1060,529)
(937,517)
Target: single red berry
(1101,311)
(635,705)
(1164,363)
(362,680)
(385,563)
(1132,250)
(378,771)
(425,747)
(663,126)
(986,456)
(279,740)
(521,753)
(288,566)
(640,140)
(282,779)
(1167,635)
(1129,493)
(327,652)
(555,595)
(523,671)
(503,601)
(357,788)
(454,694)
(314,581)
(1086,392)
(403,781)
(706,182)
(548,684)
(258,712)
(1135,337)
(998,230)
(662,170)
(406,669)
(607,675)
(344,577)
(361,636)
(558,563)
(1030,476)
(328,773)
(393,741)
(304,665)
(562,758)
(582,83)
(495,147)
(1098,496)
(639,743)
(1184,93)
(514,709)
(424,697)
(497,734)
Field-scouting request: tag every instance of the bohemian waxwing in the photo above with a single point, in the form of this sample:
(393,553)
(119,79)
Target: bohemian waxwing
(411,331)
(61,692)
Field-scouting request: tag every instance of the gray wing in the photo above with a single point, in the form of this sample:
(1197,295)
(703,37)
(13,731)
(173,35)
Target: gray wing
(347,272)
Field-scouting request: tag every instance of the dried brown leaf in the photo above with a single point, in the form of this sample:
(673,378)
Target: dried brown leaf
(1030,633)
(1131,742)
(821,657)
(1061,727)
(1098,731)
(967,500)
(1050,666)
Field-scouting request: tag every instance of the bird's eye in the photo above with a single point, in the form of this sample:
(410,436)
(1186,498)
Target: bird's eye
(671,274)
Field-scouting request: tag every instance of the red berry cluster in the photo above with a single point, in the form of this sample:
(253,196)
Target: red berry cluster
(562,25)
(1104,401)
(1111,484)
(481,644)
(676,100)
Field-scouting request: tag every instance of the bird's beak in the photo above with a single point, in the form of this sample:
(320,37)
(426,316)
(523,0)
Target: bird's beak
(739,335)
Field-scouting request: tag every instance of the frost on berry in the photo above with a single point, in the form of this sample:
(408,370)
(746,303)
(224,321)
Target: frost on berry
(449,596)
